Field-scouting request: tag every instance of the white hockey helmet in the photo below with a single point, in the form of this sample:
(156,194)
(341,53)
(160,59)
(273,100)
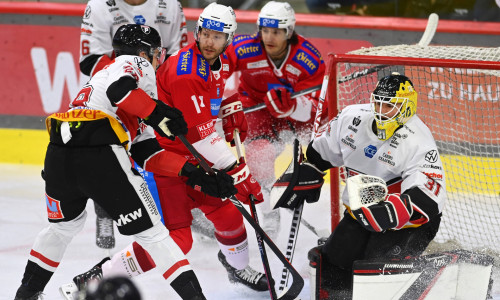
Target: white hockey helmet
(217,17)
(277,15)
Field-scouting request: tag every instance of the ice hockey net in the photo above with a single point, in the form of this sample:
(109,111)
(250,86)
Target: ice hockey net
(459,100)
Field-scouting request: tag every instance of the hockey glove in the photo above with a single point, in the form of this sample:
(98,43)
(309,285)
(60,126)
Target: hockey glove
(279,102)
(302,181)
(167,121)
(233,118)
(393,213)
(246,184)
(219,185)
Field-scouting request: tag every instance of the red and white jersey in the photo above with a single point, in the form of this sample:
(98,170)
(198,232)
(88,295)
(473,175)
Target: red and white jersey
(408,159)
(303,67)
(93,94)
(186,81)
(102,19)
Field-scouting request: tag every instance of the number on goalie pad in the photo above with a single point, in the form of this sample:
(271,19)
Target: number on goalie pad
(373,208)
(300,182)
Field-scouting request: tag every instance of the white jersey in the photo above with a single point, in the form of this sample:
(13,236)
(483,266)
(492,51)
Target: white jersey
(408,159)
(103,18)
(93,94)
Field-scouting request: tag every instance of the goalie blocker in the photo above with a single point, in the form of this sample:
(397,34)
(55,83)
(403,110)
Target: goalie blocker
(301,181)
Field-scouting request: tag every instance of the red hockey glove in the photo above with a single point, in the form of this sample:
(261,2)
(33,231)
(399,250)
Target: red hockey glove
(233,118)
(279,103)
(246,184)
(393,213)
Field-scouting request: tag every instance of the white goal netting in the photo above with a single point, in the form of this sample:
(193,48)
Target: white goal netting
(459,100)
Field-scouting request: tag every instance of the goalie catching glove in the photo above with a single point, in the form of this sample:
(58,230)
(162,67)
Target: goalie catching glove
(373,208)
(301,181)
(246,184)
(219,185)
(167,121)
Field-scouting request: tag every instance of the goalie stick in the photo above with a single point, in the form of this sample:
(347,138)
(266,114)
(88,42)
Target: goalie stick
(253,211)
(298,282)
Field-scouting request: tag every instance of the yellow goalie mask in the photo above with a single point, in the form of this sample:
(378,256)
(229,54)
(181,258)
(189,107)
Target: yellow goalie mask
(394,102)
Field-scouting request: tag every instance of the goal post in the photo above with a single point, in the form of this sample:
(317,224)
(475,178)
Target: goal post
(459,100)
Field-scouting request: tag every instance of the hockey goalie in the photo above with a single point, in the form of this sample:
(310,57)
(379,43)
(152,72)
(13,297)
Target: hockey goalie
(394,196)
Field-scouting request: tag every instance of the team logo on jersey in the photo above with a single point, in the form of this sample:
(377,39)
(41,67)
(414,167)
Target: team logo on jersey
(431,156)
(249,50)
(53,208)
(370,151)
(111,2)
(313,49)
(184,63)
(307,61)
(87,12)
(140,20)
(202,67)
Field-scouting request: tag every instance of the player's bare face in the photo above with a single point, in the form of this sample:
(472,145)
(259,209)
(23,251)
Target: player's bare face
(211,44)
(275,42)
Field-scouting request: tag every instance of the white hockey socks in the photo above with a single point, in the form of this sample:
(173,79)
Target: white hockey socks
(236,255)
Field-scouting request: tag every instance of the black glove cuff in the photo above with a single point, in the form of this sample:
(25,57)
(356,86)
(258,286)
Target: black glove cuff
(187,169)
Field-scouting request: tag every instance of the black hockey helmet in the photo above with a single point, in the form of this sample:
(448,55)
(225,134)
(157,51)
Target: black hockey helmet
(132,39)
(113,288)
(388,86)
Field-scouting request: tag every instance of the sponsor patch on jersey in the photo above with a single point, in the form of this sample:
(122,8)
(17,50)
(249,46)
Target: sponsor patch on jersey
(348,141)
(293,70)
(87,13)
(241,38)
(184,63)
(370,151)
(53,208)
(387,158)
(431,156)
(268,22)
(205,129)
(85,31)
(307,61)
(313,49)
(257,64)
(225,67)
(249,50)
(434,175)
(202,67)
(213,25)
(215,105)
(139,20)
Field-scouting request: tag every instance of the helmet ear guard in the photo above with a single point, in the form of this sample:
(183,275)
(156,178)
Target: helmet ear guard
(398,91)
(277,15)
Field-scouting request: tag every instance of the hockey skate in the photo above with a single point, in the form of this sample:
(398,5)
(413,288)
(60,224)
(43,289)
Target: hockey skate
(104,233)
(248,276)
(70,291)
(23,293)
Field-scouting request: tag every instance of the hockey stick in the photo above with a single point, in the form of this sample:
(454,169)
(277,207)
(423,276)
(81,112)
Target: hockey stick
(292,241)
(298,281)
(253,211)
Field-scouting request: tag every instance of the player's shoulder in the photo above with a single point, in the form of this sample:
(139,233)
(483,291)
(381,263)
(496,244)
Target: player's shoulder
(246,46)
(363,109)
(102,7)
(306,56)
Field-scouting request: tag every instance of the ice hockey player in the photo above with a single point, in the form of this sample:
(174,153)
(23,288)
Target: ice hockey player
(88,156)
(286,62)
(100,22)
(395,189)
(192,80)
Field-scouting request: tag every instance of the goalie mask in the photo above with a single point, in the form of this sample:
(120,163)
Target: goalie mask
(132,39)
(217,17)
(394,102)
(277,15)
